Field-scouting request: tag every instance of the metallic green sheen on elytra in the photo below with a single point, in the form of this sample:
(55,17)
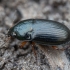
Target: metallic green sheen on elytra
(41,31)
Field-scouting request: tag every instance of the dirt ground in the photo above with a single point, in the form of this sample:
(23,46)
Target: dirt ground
(14,58)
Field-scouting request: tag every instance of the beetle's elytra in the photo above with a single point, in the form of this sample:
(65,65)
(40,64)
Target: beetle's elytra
(41,31)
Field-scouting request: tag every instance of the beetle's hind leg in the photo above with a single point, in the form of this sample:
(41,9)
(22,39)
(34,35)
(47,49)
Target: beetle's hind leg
(56,48)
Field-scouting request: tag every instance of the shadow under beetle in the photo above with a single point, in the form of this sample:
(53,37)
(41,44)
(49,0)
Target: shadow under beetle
(40,31)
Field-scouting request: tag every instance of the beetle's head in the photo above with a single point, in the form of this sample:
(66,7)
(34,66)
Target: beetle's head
(11,33)
(18,34)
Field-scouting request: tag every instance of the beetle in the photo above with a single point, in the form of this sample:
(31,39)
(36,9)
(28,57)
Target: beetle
(40,31)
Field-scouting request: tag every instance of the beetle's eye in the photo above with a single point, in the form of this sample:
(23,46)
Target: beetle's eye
(14,34)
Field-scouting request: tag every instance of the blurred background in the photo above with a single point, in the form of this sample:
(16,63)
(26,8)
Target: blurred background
(11,12)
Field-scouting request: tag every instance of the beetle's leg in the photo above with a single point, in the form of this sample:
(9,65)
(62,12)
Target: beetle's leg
(33,48)
(22,44)
(55,47)
(68,47)
(65,48)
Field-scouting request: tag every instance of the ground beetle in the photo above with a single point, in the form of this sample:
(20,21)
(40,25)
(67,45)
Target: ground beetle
(40,31)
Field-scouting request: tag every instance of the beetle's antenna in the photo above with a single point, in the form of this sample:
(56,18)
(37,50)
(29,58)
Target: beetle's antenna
(6,39)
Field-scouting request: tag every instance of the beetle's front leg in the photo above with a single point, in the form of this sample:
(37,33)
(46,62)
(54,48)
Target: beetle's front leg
(23,44)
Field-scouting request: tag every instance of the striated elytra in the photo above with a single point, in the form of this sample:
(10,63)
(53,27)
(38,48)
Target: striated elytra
(41,31)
